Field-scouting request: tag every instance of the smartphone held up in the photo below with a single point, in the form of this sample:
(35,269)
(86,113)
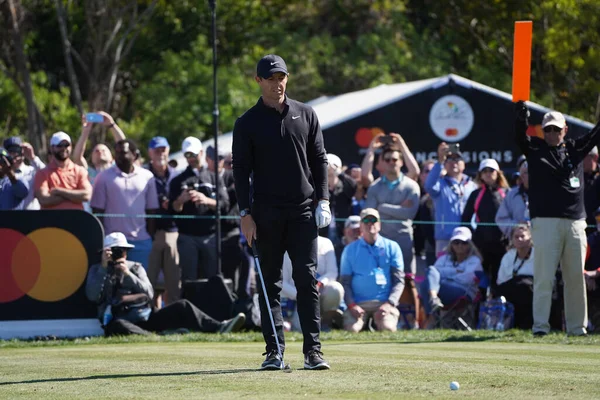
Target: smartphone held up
(94,118)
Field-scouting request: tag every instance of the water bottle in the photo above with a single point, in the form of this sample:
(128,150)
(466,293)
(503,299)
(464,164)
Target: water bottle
(500,323)
(107,317)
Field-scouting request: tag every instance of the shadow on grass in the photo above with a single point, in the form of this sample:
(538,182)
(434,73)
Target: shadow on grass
(456,338)
(124,376)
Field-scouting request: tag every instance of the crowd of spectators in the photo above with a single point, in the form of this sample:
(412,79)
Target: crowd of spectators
(424,234)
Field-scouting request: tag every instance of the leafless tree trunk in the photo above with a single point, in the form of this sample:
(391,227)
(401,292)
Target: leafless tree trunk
(112,29)
(73,81)
(22,78)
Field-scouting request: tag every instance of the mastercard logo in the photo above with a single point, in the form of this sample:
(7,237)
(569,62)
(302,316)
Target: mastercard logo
(48,264)
(364,136)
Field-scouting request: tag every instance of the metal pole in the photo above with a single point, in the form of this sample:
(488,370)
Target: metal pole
(213,7)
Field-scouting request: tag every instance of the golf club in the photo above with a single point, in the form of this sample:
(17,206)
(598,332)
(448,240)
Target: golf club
(284,366)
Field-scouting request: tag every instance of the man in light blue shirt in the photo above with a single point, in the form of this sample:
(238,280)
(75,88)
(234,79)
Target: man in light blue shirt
(372,273)
(449,191)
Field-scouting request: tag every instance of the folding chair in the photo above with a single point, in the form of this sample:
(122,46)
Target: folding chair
(409,304)
(462,313)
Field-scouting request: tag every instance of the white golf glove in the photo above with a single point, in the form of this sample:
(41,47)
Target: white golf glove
(323,214)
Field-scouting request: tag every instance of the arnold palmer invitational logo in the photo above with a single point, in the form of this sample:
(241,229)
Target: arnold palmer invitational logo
(451,118)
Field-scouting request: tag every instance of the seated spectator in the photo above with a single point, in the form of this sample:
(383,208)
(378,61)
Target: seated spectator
(128,189)
(20,151)
(454,274)
(449,192)
(331,292)
(12,190)
(372,274)
(62,184)
(341,191)
(514,209)
(123,293)
(515,276)
(102,158)
(480,212)
(351,233)
(592,275)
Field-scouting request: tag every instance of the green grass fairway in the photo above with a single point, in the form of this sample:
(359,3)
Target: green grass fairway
(402,365)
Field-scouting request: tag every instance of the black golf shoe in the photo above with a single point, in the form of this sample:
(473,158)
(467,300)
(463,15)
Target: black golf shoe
(272,362)
(314,360)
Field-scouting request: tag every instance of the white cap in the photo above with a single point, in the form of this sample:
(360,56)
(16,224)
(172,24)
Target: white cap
(489,163)
(334,161)
(554,118)
(593,151)
(191,145)
(116,239)
(59,137)
(352,221)
(461,233)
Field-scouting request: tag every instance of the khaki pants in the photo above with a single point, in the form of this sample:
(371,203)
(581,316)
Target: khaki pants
(164,256)
(559,240)
(387,322)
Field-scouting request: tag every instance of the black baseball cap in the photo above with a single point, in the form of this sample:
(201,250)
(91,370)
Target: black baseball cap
(270,64)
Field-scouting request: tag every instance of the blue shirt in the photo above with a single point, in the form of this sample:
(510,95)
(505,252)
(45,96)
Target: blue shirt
(449,198)
(370,267)
(11,194)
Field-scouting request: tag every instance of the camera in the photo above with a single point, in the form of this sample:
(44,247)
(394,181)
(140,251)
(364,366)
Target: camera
(454,148)
(117,252)
(5,157)
(386,139)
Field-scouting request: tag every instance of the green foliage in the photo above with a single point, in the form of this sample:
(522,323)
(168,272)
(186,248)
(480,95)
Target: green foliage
(331,47)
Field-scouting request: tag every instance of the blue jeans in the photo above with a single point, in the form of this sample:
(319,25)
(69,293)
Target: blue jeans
(448,291)
(141,252)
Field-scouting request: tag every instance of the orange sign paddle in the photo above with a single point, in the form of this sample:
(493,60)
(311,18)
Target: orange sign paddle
(522,60)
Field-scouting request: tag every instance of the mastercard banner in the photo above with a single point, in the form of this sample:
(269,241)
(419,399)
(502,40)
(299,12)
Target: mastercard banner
(44,260)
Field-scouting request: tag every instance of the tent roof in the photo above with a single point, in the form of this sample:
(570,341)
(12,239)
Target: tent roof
(334,110)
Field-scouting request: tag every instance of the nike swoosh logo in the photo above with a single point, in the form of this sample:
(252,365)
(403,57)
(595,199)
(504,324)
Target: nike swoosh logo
(296,117)
(276,62)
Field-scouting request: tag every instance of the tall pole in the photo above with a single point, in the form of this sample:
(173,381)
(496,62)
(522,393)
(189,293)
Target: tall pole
(213,7)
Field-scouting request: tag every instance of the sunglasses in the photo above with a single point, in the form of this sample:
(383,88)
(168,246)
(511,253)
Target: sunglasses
(552,128)
(461,242)
(189,154)
(390,159)
(62,145)
(455,158)
(369,220)
(487,170)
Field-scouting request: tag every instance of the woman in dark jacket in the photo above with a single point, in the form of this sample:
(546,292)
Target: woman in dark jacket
(480,212)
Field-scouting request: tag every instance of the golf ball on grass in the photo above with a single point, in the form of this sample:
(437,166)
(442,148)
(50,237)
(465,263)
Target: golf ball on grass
(454,385)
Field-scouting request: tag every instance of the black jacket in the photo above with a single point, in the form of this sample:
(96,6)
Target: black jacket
(486,237)
(204,183)
(284,152)
(551,168)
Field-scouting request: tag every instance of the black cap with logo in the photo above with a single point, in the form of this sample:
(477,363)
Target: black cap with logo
(270,64)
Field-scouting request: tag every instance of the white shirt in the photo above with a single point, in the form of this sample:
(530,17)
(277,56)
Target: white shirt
(327,269)
(25,174)
(509,264)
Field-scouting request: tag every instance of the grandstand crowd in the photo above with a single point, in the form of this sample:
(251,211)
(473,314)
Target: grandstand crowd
(441,246)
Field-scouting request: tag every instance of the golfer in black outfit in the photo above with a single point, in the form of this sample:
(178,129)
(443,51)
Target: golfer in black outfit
(279,142)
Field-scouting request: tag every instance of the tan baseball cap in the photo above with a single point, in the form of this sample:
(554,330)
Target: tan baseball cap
(370,212)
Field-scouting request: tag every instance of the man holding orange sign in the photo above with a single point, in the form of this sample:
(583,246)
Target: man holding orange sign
(557,215)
